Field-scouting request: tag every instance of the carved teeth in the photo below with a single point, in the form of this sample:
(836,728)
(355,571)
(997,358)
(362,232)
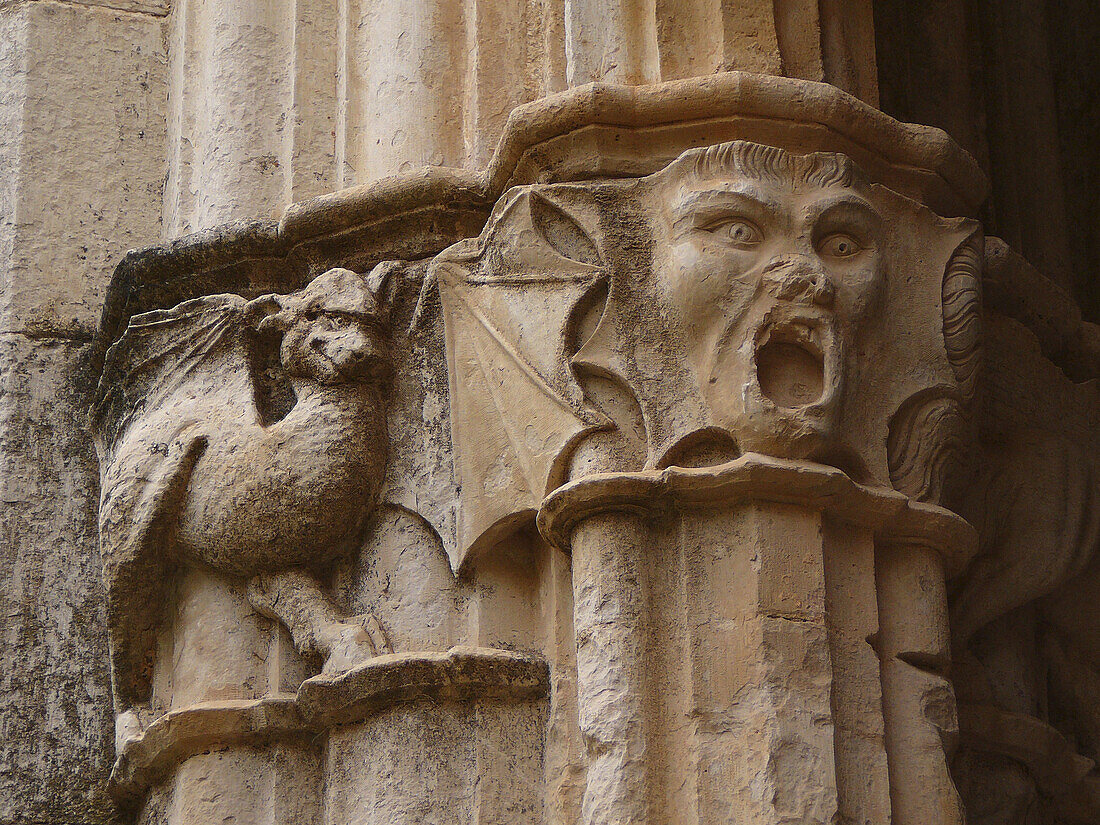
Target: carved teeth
(790,363)
(806,334)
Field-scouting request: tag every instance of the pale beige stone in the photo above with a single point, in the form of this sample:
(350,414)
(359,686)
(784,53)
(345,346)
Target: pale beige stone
(83,181)
(643,433)
(739,339)
(276,785)
(251,110)
(683,375)
(81,163)
(204,460)
(773,640)
(451,735)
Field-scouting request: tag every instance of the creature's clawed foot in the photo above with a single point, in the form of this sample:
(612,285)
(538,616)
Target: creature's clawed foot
(351,642)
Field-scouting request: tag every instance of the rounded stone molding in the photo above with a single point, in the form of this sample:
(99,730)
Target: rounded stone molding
(604,130)
(461,674)
(592,131)
(893,517)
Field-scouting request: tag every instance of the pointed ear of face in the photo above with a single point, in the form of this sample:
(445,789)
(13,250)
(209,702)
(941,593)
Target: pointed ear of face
(383,282)
(269,313)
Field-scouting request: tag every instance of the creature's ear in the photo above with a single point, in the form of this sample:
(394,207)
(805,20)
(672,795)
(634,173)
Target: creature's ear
(384,281)
(268,313)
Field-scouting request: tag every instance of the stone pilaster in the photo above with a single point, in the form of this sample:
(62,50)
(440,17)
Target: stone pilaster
(82,142)
(724,668)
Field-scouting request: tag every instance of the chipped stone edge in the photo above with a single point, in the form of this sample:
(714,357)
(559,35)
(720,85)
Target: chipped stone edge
(256,256)
(461,674)
(751,478)
(181,734)
(911,149)
(448,204)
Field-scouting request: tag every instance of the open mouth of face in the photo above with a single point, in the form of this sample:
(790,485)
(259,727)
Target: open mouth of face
(790,363)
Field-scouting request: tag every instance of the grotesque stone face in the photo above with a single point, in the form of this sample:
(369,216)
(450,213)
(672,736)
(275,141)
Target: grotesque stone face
(781,304)
(768,266)
(330,330)
(743,299)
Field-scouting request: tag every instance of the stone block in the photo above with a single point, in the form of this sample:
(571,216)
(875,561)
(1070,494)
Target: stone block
(55,722)
(83,120)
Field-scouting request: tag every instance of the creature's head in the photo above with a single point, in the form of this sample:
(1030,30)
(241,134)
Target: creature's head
(331,330)
(773,261)
(785,305)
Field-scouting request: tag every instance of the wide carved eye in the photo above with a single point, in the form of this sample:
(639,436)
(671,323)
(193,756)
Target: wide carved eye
(739,232)
(839,245)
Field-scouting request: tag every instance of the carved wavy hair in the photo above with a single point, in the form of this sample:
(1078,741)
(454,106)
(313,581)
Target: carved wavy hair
(962,316)
(766,163)
(926,446)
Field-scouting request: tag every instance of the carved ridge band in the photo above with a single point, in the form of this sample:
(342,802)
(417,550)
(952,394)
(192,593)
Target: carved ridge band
(461,674)
(753,477)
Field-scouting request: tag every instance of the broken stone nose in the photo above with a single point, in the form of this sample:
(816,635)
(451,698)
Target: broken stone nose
(800,282)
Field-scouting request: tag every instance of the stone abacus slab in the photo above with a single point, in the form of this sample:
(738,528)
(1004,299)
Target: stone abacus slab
(754,477)
(461,674)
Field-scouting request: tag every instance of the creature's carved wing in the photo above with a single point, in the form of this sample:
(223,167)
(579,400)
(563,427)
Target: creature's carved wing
(509,302)
(160,353)
(136,520)
(147,446)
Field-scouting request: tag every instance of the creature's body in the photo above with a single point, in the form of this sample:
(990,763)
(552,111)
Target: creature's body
(194,476)
(285,495)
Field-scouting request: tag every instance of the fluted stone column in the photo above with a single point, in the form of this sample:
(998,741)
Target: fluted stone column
(252,105)
(610,598)
(404,87)
(274,102)
(918,698)
(82,145)
(724,666)
(721,614)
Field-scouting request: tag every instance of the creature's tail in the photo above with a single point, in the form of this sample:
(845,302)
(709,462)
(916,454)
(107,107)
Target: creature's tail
(135,567)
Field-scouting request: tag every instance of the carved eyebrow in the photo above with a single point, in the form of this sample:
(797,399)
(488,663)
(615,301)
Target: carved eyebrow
(698,206)
(842,212)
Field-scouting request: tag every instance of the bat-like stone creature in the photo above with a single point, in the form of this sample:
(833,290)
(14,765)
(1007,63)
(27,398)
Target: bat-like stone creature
(198,470)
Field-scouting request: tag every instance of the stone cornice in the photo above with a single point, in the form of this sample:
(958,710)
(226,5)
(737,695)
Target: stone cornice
(597,130)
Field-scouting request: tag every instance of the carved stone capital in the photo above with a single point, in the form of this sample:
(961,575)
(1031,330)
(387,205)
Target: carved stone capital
(742,299)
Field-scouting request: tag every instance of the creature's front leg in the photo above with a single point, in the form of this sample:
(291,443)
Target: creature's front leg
(294,598)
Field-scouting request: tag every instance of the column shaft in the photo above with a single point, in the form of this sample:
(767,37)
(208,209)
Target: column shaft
(918,699)
(609,554)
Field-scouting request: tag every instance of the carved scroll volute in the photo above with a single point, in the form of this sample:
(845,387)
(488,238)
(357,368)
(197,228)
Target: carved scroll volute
(932,431)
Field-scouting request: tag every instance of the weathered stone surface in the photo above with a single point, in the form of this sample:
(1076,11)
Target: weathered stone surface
(493,701)
(81,140)
(246,438)
(604,465)
(86,185)
(55,721)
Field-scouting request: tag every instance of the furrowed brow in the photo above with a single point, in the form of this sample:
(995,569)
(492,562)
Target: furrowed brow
(746,200)
(845,211)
